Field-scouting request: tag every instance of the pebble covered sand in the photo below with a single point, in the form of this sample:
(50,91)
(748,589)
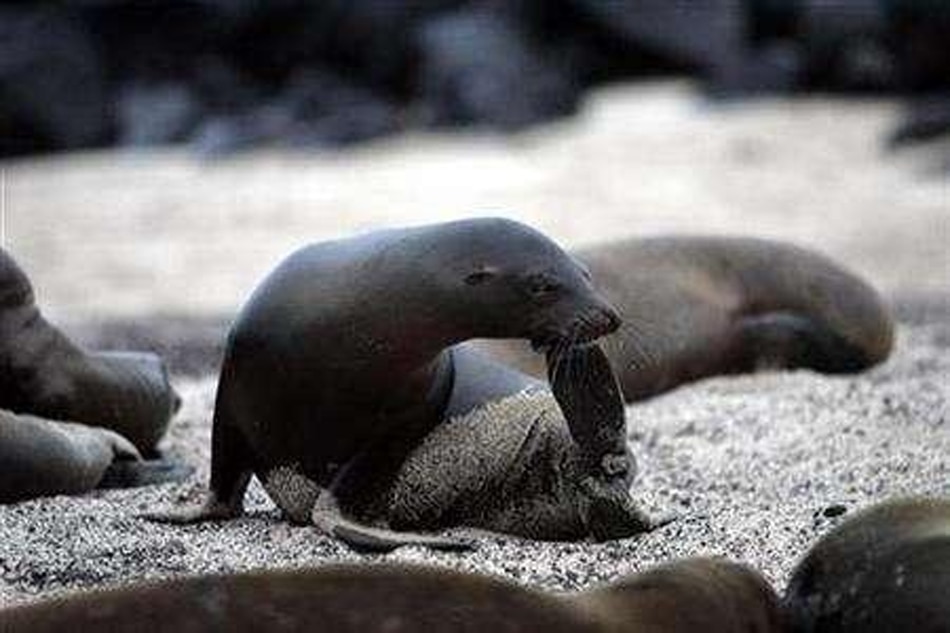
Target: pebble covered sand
(754,467)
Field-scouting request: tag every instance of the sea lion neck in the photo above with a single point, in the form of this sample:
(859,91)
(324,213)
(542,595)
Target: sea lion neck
(15,287)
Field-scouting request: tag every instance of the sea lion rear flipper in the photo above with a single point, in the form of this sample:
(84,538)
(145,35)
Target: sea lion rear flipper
(328,517)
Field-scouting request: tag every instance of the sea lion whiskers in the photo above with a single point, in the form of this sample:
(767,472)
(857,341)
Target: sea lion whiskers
(562,357)
(642,355)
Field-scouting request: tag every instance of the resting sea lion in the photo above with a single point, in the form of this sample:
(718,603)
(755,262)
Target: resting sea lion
(886,569)
(345,384)
(694,307)
(691,596)
(89,408)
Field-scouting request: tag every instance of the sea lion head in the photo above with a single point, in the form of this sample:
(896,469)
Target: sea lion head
(508,280)
(15,287)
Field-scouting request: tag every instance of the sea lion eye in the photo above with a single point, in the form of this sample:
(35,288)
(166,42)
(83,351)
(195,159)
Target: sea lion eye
(542,286)
(480,276)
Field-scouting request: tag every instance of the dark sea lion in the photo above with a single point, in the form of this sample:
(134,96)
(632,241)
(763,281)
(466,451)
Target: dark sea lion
(50,388)
(346,390)
(690,596)
(47,375)
(694,307)
(41,457)
(886,569)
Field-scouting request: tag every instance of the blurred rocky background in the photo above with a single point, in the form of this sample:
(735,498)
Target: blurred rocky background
(225,75)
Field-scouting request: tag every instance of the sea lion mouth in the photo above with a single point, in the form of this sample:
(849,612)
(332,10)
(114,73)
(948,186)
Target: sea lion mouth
(550,341)
(583,330)
(547,341)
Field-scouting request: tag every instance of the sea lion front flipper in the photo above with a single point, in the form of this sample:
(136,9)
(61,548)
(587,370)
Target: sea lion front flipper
(328,517)
(778,340)
(41,457)
(588,394)
(230,476)
(131,474)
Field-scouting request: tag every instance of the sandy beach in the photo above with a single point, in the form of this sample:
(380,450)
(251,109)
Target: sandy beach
(159,250)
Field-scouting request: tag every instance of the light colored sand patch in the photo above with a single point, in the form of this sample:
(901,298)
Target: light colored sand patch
(132,233)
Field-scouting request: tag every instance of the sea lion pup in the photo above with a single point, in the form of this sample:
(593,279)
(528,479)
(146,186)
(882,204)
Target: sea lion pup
(694,307)
(47,376)
(345,389)
(886,569)
(691,596)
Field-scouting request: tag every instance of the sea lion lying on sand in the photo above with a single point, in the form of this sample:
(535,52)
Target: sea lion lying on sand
(67,415)
(691,596)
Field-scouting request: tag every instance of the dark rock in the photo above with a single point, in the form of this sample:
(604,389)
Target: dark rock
(234,74)
(155,114)
(316,108)
(52,84)
(477,67)
(329,111)
(833,511)
(228,134)
(924,119)
(846,44)
(703,35)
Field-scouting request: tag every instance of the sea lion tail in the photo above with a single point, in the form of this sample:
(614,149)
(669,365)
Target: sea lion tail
(328,517)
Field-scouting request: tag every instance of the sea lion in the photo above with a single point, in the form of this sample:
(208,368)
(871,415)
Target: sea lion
(66,413)
(885,569)
(349,355)
(694,307)
(690,596)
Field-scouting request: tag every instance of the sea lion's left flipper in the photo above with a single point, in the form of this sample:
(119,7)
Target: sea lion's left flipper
(328,517)
(130,474)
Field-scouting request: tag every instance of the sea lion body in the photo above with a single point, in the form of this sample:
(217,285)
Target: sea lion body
(885,569)
(349,354)
(694,307)
(66,413)
(692,596)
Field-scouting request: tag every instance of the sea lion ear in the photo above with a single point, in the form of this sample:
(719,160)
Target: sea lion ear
(480,275)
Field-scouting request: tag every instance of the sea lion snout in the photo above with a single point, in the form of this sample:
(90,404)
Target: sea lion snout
(595,322)
(577,326)
(609,316)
